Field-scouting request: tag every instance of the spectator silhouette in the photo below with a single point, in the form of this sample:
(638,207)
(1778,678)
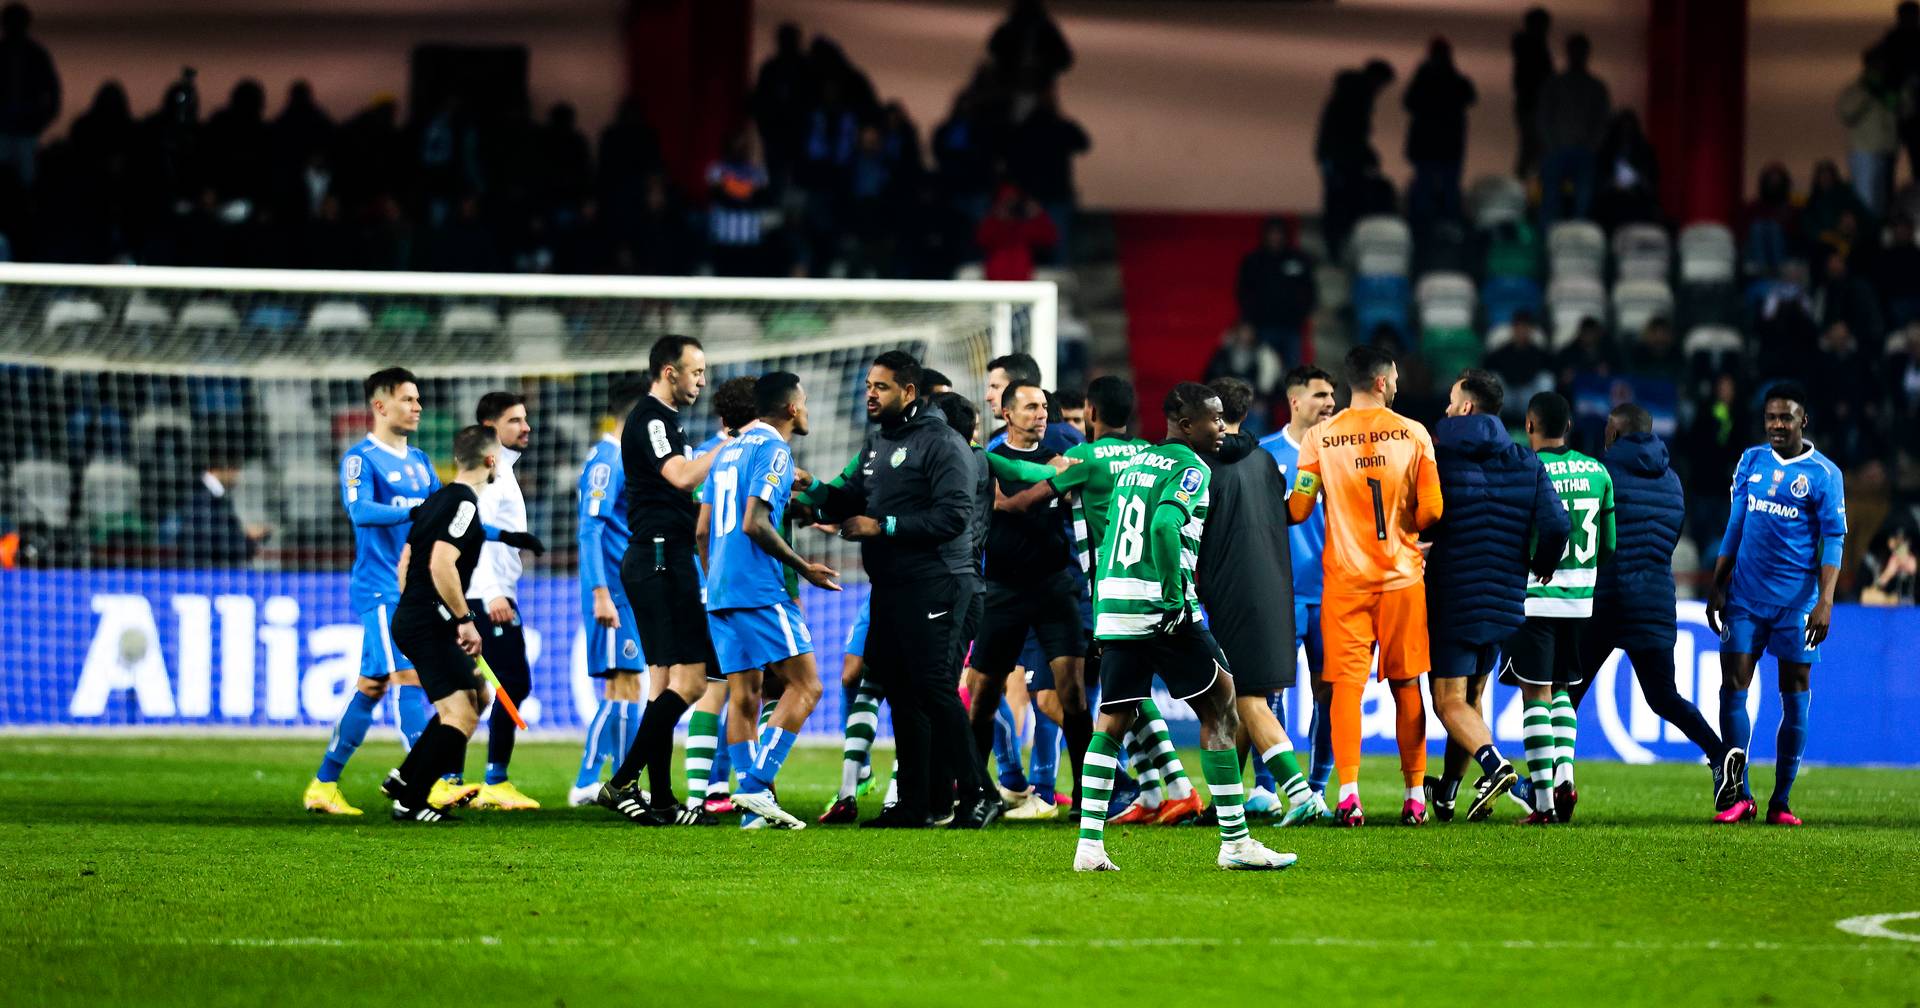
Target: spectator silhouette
(629,160)
(1343,146)
(783,92)
(1040,157)
(1029,51)
(29,92)
(1572,117)
(1276,289)
(1872,108)
(1772,222)
(1242,355)
(1628,187)
(1436,101)
(565,170)
(1532,66)
(736,193)
(1899,48)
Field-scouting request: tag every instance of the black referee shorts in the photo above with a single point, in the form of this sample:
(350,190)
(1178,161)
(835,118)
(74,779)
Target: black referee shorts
(1187,662)
(662,581)
(429,640)
(1545,651)
(1049,608)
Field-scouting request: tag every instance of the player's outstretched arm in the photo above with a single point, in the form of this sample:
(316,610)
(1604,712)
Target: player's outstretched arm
(701,526)
(1306,490)
(406,554)
(760,528)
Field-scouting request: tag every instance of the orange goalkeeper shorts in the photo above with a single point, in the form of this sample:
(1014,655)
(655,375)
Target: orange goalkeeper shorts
(1351,624)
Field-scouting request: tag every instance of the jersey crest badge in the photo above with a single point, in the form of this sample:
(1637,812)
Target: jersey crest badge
(630,650)
(1800,486)
(899,456)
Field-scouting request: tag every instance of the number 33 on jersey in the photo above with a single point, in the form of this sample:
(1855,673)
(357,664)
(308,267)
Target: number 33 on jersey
(1586,489)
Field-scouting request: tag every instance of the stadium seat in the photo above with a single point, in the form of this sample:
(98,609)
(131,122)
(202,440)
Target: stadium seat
(72,312)
(311,496)
(1501,296)
(537,334)
(1577,248)
(1707,254)
(1450,350)
(275,318)
(1493,200)
(1382,246)
(1379,300)
(729,327)
(341,318)
(1513,250)
(143,314)
(296,428)
(162,436)
(1446,301)
(1571,299)
(1636,301)
(403,318)
(970,271)
(469,320)
(1497,337)
(208,314)
(1642,252)
(42,493)
(789,325)
(1710,349)
(110,501)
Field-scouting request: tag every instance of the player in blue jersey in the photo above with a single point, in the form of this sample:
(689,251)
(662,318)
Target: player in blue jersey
(613,637)
(381,479)
(1773,586)
(709,764)
(1310,397)
(754,622)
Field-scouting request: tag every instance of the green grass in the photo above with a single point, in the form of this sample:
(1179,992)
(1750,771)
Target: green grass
(162,871)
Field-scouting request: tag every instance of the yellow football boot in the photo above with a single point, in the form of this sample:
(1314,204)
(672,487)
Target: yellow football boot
(324,798)
(503,796)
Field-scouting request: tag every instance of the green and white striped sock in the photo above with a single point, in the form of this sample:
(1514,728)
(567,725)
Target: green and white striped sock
(1536,733)
(1144,772)
(1096,786)
(1221,767)
(703,736)
(1566,725)
(1285,767)
(863,720)
(1166,758)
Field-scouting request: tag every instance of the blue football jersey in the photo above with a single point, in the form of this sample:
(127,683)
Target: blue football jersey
(740,574)
(378,486)
(603,532)
(1309,538)
(1782,510)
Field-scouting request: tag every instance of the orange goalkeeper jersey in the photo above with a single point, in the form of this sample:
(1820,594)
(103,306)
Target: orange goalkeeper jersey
(1377,470)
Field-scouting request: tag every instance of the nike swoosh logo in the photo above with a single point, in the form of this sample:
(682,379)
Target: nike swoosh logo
(937,615)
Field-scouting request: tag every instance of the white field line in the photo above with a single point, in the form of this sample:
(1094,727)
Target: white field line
(1875,926)
(1089,944)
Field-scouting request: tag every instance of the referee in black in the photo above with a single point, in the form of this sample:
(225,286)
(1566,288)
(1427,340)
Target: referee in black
(910,506)
(433,625)
(662,581)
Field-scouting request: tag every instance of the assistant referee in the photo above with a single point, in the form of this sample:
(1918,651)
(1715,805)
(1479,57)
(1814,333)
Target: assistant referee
(433,625)
(910,506)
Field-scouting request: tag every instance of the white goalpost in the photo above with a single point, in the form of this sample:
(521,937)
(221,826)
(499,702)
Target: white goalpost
(135,394)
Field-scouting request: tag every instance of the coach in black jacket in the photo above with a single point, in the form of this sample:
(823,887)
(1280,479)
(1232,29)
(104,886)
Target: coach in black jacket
(1498,498)
(1633,598)
(910,506)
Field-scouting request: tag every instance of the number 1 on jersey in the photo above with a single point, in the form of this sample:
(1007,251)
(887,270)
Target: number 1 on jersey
(1379,510)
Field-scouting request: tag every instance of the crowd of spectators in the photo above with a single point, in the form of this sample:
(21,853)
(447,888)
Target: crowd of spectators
(824,177)
(1827,292)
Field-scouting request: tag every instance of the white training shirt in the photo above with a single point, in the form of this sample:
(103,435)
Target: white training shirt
(503,507)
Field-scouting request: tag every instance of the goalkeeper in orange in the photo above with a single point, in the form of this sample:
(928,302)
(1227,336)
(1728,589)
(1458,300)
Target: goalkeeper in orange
(1377,471)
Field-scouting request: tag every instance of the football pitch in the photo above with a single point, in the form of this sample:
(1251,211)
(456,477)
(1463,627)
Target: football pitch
(182,871)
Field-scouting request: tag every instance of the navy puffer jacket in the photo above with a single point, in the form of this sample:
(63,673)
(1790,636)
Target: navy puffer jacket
(1499,503)
(1634,592)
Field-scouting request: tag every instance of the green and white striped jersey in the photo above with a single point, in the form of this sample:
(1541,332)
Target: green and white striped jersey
(1091,482)
(1139,584)
(1586,489)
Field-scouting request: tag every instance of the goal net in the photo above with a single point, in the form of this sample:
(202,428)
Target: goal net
(173,545)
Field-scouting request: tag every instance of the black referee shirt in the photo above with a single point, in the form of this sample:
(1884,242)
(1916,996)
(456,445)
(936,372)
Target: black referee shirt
(1026,547)
(655,507)
(451,515)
